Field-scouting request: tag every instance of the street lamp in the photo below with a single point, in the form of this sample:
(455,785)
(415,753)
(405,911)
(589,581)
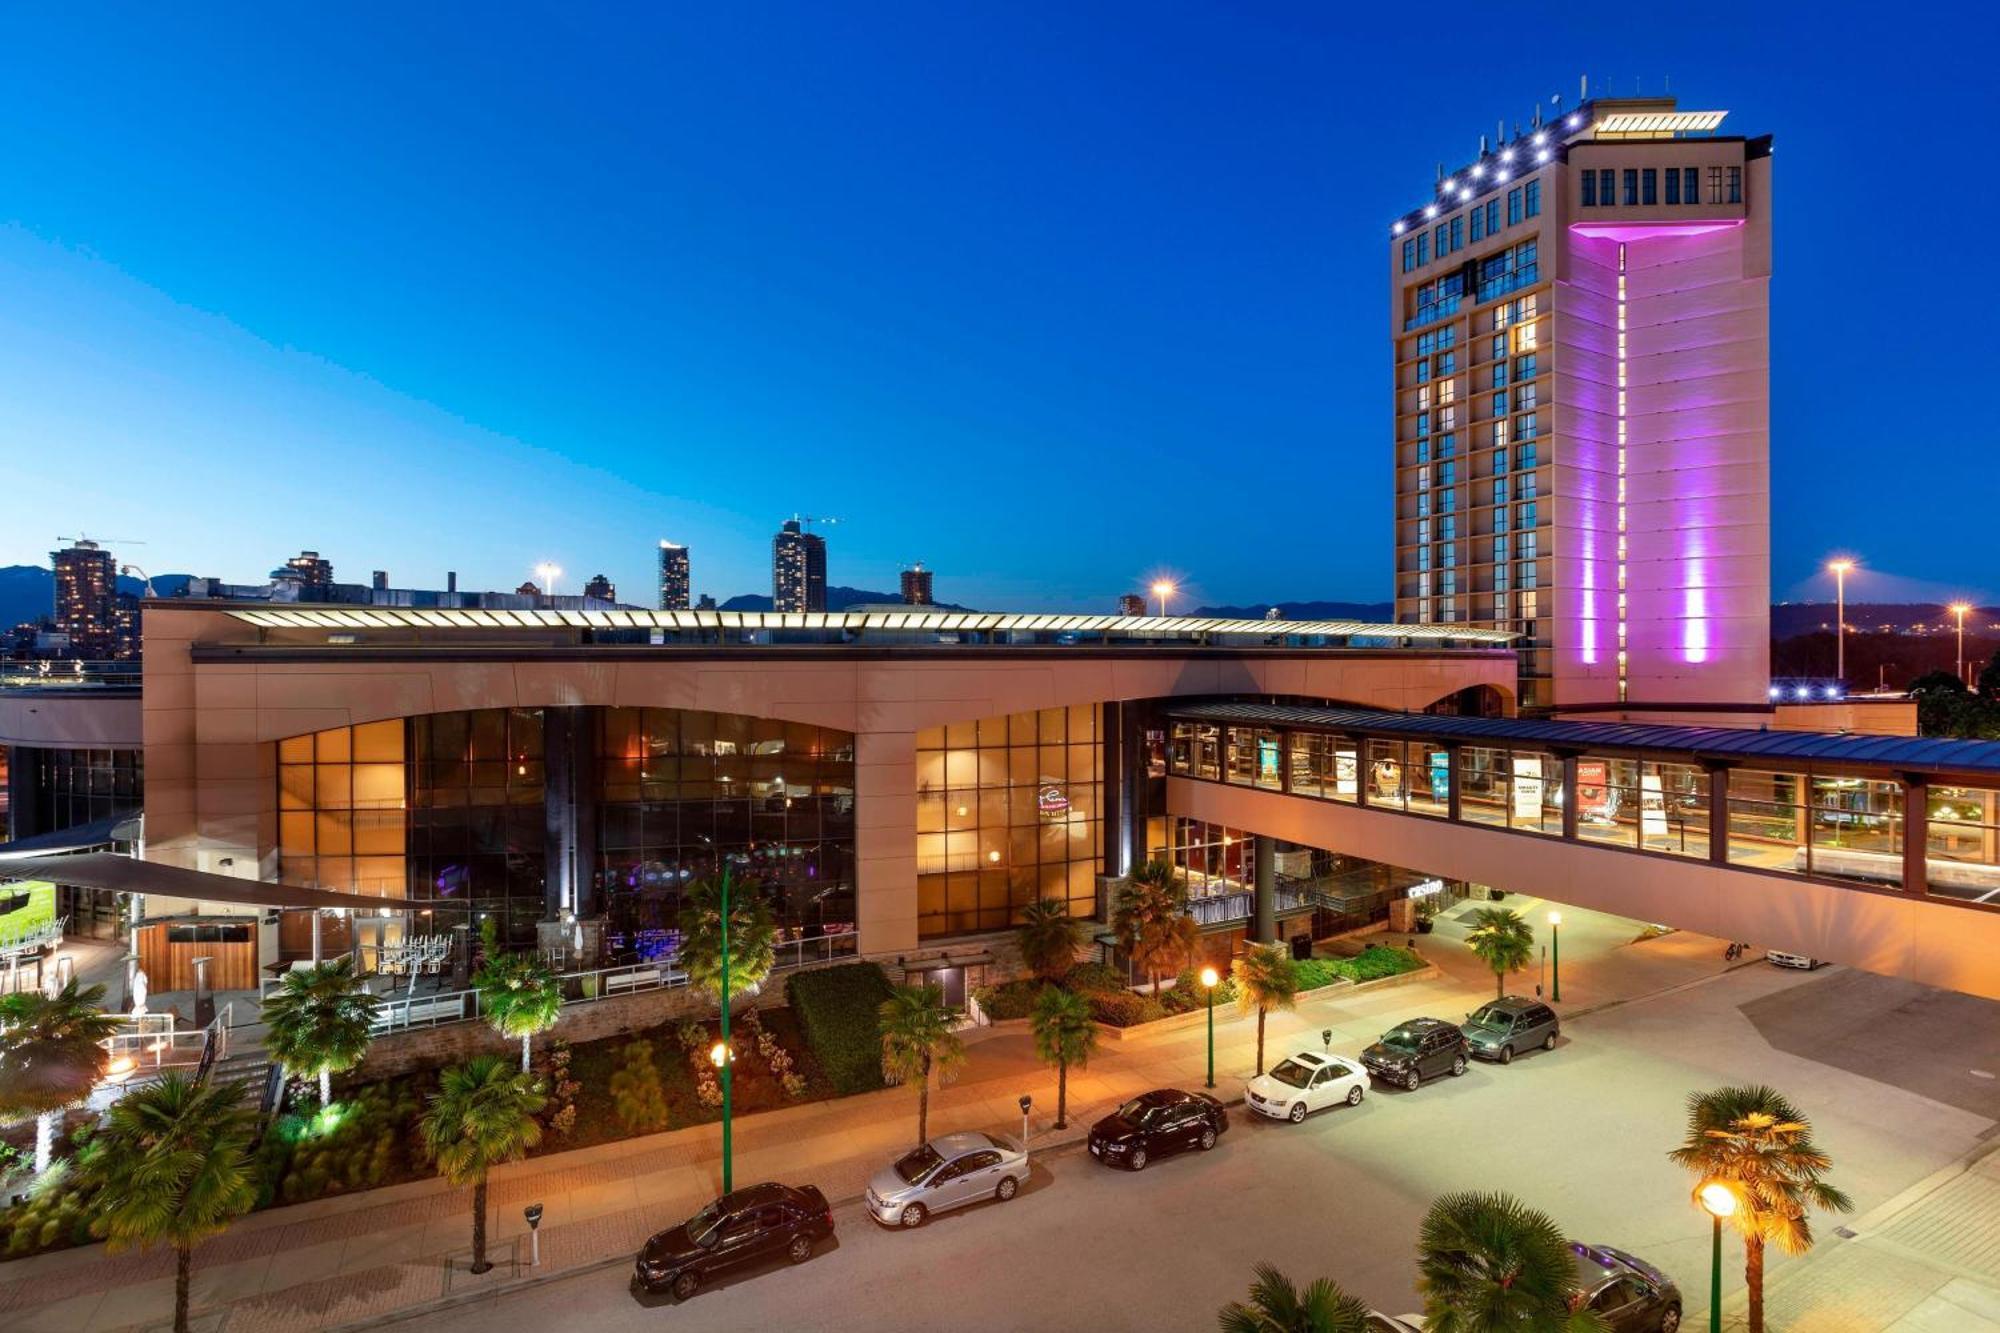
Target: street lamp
(721,1053)
(1555,958)
(1208,981)
(1841,617)
(548,573)
(1163,589)
(1719,1202)
(1959,609)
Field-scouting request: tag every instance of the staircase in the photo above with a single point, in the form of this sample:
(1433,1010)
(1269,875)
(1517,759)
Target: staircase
(247,1069)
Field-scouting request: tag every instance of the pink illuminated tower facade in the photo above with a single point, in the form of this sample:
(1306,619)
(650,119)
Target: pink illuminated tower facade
(1581,328)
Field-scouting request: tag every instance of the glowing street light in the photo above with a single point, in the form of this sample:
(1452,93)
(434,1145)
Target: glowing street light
(1719,1202)
(1840,569)
(1209,978)
(548,573)
(1959,609)
(1163,589)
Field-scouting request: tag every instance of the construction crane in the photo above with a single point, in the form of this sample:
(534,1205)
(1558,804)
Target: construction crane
(805,521)
(101,541)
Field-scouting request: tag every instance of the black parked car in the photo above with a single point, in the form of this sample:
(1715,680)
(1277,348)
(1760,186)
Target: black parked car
(1162,1121)
(1502,1029)
(745,1227)
(1411,1052)
(1629,1294)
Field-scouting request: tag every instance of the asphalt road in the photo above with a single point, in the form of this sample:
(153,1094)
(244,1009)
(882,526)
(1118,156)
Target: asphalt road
(1580,1132)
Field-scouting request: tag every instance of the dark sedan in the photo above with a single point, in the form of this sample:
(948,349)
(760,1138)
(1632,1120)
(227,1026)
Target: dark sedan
(1411,1052)
(745,1227)
(1154,1123)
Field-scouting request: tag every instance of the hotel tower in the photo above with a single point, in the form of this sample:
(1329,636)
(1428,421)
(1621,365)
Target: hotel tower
(1581,325)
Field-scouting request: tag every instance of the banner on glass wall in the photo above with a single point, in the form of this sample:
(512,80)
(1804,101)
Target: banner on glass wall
(1440,775)
(1267,762)
(1527,787)
(1344,769)
(1596,801)
(1652,807)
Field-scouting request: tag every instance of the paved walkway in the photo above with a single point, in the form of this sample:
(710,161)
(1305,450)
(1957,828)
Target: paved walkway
(365,1258)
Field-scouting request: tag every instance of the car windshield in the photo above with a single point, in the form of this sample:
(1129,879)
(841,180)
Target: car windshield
(917,1163)
(1135,1110)
(1493,1016)
(1403,1038)
(1291,1073)
(702,1225)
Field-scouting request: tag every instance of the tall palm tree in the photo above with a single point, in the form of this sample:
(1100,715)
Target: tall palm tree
(52,1054)
(483,1114)
(752,937)
(172,1165)
(1048,936)
(1276,1306)
(319,1020)
(1147,917)
(1266,979)
(1503,940)
(1756,1144)
(916,1040)
(1064,1036)
(519,995)
(1488,1263)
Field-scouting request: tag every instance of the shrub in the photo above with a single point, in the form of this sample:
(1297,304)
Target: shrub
(1010,999)
(692,1036)
(839,1013)
(1376,961)
(1124,1008)
(1186,992)
(636,1095)
(795,1085)
(1094,978)
(1316,972)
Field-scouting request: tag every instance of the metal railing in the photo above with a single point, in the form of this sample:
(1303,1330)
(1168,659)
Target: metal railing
(63,675)
(155,1042)
(1221,909)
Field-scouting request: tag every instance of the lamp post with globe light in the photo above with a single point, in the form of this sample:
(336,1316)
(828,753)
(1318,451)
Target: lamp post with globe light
(1209,978)
(1719,1202)
(1163,589)
(1959,609)
(1840,570)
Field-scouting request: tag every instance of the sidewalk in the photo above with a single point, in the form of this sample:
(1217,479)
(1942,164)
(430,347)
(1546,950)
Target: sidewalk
(366,1258)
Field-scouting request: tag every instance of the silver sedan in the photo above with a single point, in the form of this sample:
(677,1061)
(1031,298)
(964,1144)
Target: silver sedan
(947,1172)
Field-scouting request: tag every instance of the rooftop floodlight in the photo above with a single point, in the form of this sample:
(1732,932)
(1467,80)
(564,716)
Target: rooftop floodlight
(1506,155)
(1478,170)
(1542,156)
(1397,230)
(1541,137)
(1430,210)
(1575,120)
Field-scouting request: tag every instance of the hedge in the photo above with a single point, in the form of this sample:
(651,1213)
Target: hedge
(839,1010)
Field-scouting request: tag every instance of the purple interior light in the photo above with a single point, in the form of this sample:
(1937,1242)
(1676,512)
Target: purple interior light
(1647,231)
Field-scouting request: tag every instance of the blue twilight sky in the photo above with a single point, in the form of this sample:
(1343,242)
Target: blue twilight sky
(1050,296)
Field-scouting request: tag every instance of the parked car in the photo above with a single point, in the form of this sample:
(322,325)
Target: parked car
(1155,1123)
(948,1172)
(1303,1083)
(1411,1052)
(1800,961)
(1503,1028)
(1630,1294)
(749,1225)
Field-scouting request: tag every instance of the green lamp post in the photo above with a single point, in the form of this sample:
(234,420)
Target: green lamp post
(1717,1200)
(1208,982)
(721,1054)
(1555,957)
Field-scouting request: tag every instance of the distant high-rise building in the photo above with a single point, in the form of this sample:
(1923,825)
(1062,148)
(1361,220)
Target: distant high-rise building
(917,585)
(798,569)
(86,597)
(601,588)
(529,589)
(706,602)
(1131,604)
(674,584)
(1581,376)
(310,570)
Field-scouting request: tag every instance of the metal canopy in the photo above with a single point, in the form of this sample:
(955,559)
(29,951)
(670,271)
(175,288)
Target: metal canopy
(1759,747)
(123,874)
(120,827)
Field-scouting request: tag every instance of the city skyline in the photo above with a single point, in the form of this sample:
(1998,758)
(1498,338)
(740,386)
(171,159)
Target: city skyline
(138,341)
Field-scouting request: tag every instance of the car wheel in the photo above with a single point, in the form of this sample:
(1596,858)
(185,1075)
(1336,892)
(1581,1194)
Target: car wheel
(1354,1095)
(686,1285)
(1506,1055)
(1138,1161)
(1297,1113)
(1006,1189)
(1207,1139)
(1457,1065)
(800,1250)
(914,1214)
(1413,1080)
(1550,1043)
(1670,1321)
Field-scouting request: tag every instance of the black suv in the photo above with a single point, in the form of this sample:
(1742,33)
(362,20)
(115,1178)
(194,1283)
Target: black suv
(1411,1052)
(1501,1029)
(1629,1294)
(744,1227)
(1162,1121)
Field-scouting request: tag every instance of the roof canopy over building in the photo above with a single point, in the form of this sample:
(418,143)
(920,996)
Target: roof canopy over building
(123,874)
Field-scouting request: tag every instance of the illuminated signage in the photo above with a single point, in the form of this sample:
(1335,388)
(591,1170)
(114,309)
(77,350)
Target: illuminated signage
(1052,801)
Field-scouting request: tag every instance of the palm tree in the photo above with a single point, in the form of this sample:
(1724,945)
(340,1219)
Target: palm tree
(172,1164)
(1048,936)
(483,1114)
(1064,1036)
(1756,1144)
(52,1054)
(1266,979)
(1488,1263)
(319,1020)
(917,1039)
(1147,918)
(519,995)
(1503,940)
(1276,1306)
(752,937)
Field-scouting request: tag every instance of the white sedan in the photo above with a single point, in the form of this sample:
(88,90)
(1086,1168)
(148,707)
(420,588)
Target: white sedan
(1308,1081)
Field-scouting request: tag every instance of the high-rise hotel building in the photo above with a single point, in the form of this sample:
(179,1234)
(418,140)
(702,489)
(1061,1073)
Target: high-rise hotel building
(674,580)
(1581,325)
(798,569)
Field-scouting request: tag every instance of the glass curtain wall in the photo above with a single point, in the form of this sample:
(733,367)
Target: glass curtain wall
(77,786)
(478,826)
(343,809)
(1963,851)
(1639,803)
